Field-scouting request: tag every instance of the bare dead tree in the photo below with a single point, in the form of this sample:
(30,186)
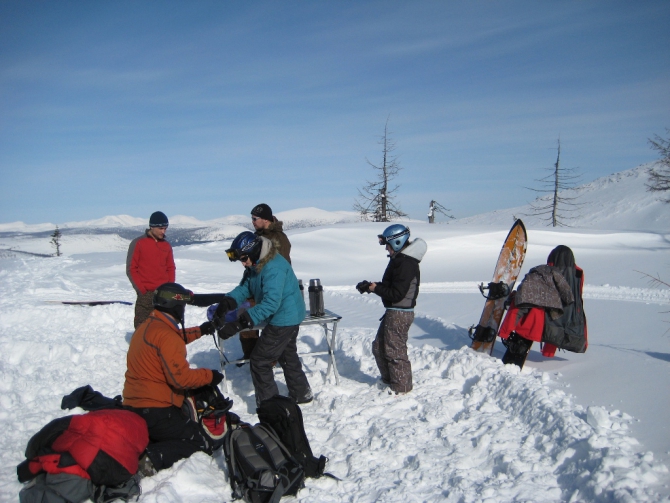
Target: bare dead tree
(436,207)
(376,200)
(659,176)
(557,207)
(55,241)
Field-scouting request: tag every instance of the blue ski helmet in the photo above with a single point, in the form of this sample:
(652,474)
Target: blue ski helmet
(395,236)
(245,244)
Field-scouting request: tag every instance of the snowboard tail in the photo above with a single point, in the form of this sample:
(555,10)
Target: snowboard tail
(505,274)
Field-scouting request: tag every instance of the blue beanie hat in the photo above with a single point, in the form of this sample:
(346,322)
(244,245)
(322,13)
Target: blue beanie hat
(158,219)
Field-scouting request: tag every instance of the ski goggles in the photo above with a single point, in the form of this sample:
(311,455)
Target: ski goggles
(234,255)
(182,297)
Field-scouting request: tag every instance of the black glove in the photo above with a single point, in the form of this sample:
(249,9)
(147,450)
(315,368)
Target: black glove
(226,304)
(230,329)
(217,377)
(207,328)
(363,287)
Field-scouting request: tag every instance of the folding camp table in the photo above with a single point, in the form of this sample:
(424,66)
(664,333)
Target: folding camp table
(329,324)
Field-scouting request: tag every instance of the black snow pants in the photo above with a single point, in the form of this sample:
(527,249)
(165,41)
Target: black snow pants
(390,350)
(278,344)
(172,435)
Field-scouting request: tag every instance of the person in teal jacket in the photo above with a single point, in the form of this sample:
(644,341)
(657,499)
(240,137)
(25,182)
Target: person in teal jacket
(269,279)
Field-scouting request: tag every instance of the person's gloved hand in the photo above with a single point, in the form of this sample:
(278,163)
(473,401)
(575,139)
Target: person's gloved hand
(230,329)
(207,328)
(363,287)
(217,377)
(226,304)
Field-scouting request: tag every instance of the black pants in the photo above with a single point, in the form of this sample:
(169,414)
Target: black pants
(278,344)
(172,435)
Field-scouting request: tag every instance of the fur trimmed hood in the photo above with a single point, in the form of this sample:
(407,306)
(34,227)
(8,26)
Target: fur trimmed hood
(416,250)
(269,250)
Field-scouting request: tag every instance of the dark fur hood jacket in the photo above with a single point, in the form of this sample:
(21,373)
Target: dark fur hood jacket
(544,286)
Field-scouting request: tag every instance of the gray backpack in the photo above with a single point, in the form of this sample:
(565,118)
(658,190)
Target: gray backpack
(261,468)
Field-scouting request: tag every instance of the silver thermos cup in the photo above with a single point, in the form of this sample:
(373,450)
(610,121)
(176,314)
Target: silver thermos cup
(315,298)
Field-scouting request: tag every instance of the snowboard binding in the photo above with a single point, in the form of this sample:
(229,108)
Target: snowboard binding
(482,334)
(497,291)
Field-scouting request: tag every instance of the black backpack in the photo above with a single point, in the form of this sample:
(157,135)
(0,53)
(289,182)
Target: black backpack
(261,468)
(283,415)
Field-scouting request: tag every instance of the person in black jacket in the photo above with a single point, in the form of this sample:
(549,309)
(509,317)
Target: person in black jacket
(398,289)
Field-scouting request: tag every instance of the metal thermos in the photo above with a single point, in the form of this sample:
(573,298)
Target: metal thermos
(315,298)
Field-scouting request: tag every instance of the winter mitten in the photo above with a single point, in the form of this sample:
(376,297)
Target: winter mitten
(230,329)
(227,304)
(363,287)
(217,377)
(207,328)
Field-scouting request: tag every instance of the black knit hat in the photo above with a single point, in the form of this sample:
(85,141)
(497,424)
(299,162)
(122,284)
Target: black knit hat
(263,211)
(158,219)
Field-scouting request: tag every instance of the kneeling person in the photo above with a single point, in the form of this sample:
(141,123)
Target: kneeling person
(159,376)
(269,279)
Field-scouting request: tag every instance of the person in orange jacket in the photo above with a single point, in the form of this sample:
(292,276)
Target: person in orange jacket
(159,376)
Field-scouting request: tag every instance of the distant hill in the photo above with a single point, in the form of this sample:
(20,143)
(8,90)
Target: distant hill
(615,202)
(184,230)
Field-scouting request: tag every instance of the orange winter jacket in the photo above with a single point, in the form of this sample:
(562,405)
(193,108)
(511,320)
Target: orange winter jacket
(158,374)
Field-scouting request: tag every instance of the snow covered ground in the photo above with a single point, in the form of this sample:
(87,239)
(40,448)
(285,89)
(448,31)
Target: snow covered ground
(589,427)
(578,427)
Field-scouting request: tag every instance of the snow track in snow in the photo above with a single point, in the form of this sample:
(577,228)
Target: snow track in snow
(603,292)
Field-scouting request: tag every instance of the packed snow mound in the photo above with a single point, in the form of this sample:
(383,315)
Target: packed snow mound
(616,202)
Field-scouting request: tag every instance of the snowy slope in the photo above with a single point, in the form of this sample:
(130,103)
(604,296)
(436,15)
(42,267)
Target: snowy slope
(618,201)
(588,427)
(472,429)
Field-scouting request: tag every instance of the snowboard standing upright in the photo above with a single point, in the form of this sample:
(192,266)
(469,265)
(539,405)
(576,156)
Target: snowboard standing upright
(505,274)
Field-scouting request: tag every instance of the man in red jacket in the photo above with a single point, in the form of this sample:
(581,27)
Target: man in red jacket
(149,264)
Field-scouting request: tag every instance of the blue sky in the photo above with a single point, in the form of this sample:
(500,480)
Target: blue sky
(207,108)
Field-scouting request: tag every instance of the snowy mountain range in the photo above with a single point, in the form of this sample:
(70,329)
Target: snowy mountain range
(617,202)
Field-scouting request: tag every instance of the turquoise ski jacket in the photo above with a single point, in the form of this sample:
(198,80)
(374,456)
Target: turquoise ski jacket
(274,287)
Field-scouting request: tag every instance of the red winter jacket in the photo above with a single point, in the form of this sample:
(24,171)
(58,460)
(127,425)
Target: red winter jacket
(103,446)
(149,263)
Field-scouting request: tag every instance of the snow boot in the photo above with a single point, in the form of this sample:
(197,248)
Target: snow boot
(517,350)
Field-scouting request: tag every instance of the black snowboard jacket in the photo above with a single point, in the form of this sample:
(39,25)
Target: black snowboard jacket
(399,286)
